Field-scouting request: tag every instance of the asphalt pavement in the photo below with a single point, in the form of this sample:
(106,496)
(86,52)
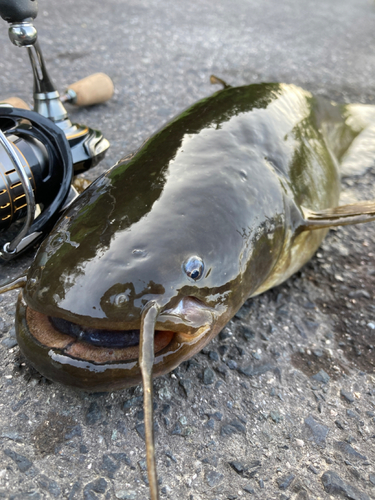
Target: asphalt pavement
(282,404)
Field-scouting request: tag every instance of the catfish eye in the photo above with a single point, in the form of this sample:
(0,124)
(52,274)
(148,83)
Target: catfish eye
(193,267)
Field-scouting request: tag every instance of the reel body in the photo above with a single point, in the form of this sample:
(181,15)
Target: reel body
(44,153)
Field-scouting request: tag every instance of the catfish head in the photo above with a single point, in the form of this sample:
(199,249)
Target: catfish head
(80,313)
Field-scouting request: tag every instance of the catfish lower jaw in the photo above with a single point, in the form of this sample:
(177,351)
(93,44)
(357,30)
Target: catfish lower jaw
(61,358)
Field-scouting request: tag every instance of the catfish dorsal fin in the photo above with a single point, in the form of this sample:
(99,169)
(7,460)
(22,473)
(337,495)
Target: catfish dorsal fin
(215,80)
(355,213)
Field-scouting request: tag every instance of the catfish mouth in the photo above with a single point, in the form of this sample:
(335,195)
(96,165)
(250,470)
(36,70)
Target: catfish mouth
(89,344)
(184,324)
(95,336)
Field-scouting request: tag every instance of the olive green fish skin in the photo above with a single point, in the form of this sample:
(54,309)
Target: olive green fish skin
(223,181)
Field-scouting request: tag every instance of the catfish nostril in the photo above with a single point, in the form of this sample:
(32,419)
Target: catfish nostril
(137,252)
(34,278)
(42,292)
(121,299)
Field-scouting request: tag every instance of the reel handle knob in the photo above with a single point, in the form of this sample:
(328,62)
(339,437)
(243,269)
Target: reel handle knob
(16,102)
(93,89)
(17,11)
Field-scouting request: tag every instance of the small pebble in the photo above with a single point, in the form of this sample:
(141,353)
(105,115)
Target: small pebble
(318,353)
(334,485)
(316,431)
(9,343)
(246,332)
(21,462)
(285,482)
(249,489)
(94,414)
(208,376)
(351,414)
(213,478)
(177,431)
(238,467)
(213,356)
(348,396)
(232,365)
(210,424)
(347,450)
(187,386)
(313,469)
(339,424)
(276,417)
(322,377)
(225,334)
(133,402)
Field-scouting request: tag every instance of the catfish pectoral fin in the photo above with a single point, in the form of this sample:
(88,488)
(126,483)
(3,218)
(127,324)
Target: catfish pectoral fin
(354,213)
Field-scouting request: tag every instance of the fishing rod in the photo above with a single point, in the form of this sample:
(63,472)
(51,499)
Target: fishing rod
(41,150)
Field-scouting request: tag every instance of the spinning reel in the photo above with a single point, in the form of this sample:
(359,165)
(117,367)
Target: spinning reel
(41,150)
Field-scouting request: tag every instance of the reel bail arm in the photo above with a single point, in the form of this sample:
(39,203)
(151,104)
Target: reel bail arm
(10,247)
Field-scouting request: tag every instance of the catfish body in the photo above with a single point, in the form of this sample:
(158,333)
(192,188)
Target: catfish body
(210,211)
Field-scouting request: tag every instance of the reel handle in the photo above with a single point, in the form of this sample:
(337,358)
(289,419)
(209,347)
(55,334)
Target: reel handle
(16,102)
(17,11)
(93,89)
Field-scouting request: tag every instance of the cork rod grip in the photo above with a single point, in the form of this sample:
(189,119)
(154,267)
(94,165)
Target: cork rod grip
(16,102)
(93,89)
